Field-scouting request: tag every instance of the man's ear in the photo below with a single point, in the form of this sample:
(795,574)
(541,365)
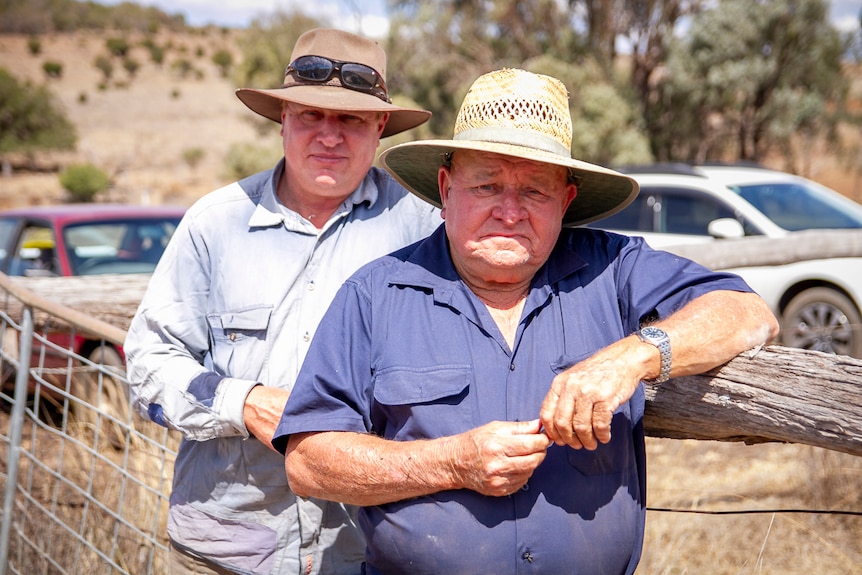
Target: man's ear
(382,125)
(571,194)
(444,177)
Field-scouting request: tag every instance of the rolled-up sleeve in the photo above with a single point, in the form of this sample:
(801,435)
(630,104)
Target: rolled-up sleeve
(167,343)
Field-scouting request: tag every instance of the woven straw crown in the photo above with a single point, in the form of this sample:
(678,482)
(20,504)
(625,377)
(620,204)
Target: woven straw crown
(511,100)
(523,115)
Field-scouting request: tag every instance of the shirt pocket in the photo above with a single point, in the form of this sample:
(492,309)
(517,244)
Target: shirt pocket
(613,457)
(239,341)
(423,403)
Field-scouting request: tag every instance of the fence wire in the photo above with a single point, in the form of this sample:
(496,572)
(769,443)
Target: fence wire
(85,482)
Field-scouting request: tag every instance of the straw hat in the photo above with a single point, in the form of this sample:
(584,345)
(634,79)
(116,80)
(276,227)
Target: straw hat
(332,95)
(521,114)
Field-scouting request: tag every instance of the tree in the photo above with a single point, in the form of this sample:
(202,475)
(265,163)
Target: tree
(30,120)
(223,59)
(749,77)
(267,45)
(438,50)
(606,126)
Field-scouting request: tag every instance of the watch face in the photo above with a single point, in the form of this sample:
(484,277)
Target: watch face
(652,332)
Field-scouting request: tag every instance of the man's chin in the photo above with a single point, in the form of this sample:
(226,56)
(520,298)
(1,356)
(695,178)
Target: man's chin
(326,181)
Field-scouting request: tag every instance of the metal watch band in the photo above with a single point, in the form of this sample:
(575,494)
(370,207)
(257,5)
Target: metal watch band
(658,338)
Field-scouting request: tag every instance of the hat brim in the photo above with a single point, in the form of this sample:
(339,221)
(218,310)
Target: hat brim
(268,104)
(602,192)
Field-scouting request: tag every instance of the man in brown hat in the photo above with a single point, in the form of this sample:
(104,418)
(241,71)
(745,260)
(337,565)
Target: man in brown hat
(230,311)
(480,393)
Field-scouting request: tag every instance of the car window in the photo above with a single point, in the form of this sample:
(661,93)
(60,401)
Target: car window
(117,247)
(690,215)
(7,236)
(636,217)
(35,254)
(797,207)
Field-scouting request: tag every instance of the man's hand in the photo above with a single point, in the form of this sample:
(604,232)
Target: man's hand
(498,458)
(262,411)
(580,405)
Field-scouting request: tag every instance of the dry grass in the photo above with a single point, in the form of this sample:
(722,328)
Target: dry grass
(89,501)
(717,476)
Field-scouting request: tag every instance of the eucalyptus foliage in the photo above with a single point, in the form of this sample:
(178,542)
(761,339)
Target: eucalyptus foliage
(746,77)
(31,118)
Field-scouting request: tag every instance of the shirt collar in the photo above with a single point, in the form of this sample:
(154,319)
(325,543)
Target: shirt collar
(269,212)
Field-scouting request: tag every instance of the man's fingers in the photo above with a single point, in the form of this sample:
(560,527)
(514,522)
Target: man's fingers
(602,418)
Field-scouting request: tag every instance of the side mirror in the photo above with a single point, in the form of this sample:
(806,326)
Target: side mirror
(725,228)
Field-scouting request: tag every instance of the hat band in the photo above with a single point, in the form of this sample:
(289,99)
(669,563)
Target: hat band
(515,137)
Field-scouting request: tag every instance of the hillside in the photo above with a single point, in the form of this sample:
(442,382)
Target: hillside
(137,128)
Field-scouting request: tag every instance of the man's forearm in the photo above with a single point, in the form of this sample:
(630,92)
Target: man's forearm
(363,469)
(715,327)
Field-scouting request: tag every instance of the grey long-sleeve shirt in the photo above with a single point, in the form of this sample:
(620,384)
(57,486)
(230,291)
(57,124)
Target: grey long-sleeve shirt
(235,301)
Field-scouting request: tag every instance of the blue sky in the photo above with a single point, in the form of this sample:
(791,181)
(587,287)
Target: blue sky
(367,17)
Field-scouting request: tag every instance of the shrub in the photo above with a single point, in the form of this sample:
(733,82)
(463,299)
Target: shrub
(224,60)
(247,159)
(193,156)
(84,181)
(103,63)
(52,69)
(131,66)
(117,46)
(34,45)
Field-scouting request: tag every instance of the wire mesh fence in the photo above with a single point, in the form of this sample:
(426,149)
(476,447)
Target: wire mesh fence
(85,483)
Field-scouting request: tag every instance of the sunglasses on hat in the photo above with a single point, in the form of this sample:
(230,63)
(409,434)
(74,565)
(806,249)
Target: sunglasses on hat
(353,75)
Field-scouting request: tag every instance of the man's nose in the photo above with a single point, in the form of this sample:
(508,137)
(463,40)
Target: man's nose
(510,209)
(330,132)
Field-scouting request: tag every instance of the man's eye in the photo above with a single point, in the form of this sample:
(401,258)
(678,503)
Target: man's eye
(536,194)
(352,120)
(310,116)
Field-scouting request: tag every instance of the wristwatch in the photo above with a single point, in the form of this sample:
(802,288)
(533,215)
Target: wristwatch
(658,338)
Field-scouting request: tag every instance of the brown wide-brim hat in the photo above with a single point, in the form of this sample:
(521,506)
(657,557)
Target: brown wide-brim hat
(332,95)
(523,115)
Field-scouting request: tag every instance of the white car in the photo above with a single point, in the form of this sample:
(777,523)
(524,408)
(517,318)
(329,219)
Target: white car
(817,302)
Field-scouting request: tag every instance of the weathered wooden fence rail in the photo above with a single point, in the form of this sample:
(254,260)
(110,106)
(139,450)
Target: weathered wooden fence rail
(771,394)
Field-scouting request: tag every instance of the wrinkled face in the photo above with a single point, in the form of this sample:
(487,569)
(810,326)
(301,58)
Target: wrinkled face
(503,214)
(327,152)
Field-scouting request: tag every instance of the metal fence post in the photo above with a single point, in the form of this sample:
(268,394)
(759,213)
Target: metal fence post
(16,431)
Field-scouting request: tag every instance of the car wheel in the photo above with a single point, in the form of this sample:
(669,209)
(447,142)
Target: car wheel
(111,400)
(822,319)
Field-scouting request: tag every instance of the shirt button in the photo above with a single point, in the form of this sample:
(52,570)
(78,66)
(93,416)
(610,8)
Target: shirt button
(525,487)
(527,556)
(512,366)
(232,336)
(310,286)
(306,336)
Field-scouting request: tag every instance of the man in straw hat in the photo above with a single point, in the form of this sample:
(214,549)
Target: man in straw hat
(480,393)
(230,311)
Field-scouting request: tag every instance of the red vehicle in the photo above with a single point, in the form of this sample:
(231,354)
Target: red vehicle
(84,239)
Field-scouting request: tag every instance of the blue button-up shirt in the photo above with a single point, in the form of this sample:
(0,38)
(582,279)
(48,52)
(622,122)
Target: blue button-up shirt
(234,302)
(408,352)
